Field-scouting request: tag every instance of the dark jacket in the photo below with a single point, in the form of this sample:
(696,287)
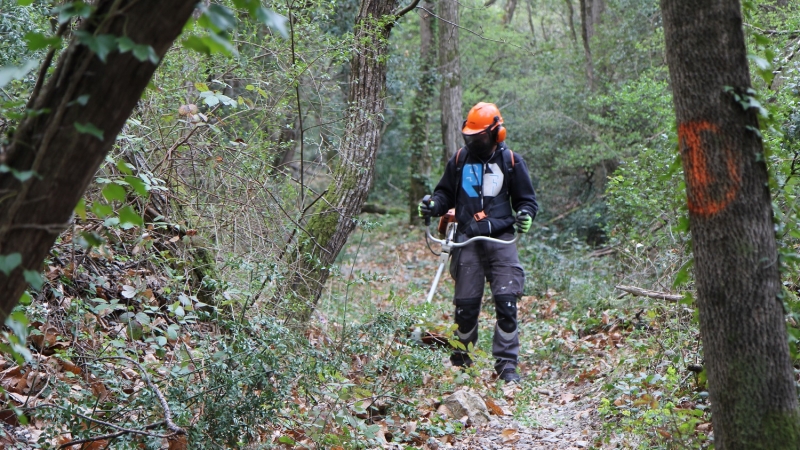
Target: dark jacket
(485,186)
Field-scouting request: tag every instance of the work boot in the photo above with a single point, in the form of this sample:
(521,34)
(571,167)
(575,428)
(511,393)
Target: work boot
(460,359)
(508,374)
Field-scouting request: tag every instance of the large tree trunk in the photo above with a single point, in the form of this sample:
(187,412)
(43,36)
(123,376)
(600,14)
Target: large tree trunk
(508,14)
(450,71)
(333,219)
(750,377)
(586,35)
(530,22)
(420,164)
(34,212)
(571,19)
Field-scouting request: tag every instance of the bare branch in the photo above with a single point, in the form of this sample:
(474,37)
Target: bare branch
(648,293)
(406,10)
(164,405)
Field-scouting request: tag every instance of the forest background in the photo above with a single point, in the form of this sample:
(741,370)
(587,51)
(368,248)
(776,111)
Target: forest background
(183,246)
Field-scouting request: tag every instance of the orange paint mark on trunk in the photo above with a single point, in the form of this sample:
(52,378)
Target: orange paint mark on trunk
(704,187)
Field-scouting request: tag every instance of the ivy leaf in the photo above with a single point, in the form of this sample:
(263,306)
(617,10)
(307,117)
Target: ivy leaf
(210,44)
(10,262)
(81,100)
(72,9)
(38,41)
(124,167)
(10,73)
(125,44)
(88,128)
(101,45)
(128,291)
(273,20)
(114,192)
(760,62)
(21,175)
(145,53)
(138,185)
(128,218)
(91,239)
(101,210)
(80,209)
(34,278)
(219,17)
(211,100)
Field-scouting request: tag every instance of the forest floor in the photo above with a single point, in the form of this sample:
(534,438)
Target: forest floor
(598,371)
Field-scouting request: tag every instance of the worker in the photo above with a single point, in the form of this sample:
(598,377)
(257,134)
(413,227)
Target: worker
(486,182)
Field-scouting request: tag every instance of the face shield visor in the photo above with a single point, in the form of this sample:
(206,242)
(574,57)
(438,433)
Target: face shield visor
(480,144)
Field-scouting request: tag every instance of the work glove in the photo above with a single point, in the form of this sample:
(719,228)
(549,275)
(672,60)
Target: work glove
(425,210)
(524,221)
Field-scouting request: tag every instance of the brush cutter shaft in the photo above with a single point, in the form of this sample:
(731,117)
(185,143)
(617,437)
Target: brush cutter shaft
(450,244)
(435,282)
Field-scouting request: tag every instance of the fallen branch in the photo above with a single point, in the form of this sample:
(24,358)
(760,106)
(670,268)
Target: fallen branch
(164,405)
(648,293)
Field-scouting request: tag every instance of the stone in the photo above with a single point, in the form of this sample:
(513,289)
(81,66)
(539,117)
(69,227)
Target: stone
(464,403)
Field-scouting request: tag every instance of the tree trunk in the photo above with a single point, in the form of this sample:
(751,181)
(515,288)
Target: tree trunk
(508,16)
(286,137)
(571,19)
(333,219)
(34,212)
(586,35)
(420,164)
(597,8)
(750,376)
(530,21)
(450,71)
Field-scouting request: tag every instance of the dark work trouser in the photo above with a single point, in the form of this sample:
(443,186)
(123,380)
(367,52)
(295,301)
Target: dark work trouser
(499,264)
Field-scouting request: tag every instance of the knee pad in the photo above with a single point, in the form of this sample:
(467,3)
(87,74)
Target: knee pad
(506,310)
(467,316)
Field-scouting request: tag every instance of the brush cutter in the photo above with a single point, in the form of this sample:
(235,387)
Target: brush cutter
(447,228)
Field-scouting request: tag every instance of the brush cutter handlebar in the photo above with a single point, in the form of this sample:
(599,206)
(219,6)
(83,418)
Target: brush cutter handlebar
(448,244)
(448,240)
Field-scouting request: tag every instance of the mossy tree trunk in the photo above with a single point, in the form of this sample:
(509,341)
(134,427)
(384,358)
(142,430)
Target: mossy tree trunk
(334,216)
(418,137)
(586,36)
(34,212)
(750,377)
(450,71)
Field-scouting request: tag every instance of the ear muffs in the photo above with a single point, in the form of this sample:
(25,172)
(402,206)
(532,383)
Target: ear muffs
(499,130)
(500,134)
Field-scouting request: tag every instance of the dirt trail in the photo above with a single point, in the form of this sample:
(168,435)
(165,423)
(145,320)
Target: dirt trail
(563,418)
(559,415)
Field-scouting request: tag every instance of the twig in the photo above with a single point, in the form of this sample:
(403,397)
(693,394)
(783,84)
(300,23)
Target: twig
(406,10)
(123,430)
(175,147)
(45,65)
(468,30)
(648,293)
(164,405)
(116,435)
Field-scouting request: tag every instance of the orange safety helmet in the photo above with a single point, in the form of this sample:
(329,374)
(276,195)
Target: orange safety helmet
(484,117)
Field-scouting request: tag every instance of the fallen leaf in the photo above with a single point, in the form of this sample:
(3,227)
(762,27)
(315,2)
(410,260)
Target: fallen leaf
(567,397)
(178,442)
(704,427)
(496,410)
(9,417)
(510,436)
